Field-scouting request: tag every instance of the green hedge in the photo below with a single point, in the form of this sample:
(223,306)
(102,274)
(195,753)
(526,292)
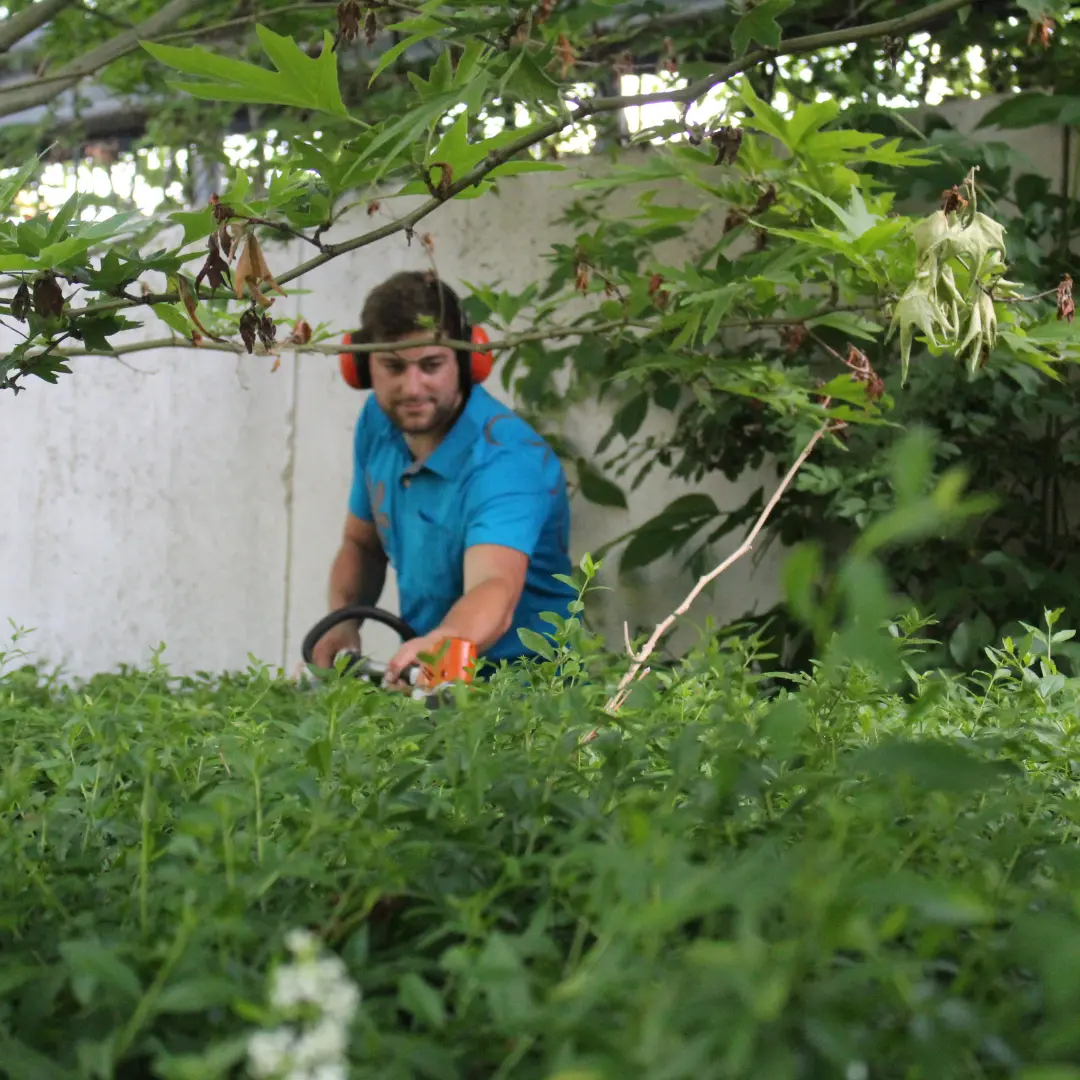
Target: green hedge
(829,880)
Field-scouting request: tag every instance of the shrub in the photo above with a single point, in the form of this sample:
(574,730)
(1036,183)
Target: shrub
(736,878)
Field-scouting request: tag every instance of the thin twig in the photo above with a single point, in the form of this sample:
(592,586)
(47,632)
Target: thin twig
(622,690)
(281,226)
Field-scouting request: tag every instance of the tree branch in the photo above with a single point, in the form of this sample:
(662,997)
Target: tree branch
(332,348)
(622,691)
(26,95)
(16,27)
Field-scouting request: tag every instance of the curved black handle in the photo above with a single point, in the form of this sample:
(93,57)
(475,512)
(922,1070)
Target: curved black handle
(359,612)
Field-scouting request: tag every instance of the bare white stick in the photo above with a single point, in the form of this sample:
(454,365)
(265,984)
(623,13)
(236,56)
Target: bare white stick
(622,691)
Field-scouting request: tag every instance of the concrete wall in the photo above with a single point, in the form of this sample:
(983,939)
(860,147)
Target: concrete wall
(195,499)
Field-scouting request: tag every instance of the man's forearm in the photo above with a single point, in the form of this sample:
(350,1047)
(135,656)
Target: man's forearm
(357,576)
(481,616)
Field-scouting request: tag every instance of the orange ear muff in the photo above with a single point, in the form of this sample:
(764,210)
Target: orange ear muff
(482,359)
(347,363)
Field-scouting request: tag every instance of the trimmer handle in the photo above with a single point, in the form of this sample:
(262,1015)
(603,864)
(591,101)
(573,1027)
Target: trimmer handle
(352,613)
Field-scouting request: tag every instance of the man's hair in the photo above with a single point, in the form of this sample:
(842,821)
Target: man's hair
(395,307)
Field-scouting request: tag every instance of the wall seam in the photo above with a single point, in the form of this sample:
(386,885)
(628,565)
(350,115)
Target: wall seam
(288,479)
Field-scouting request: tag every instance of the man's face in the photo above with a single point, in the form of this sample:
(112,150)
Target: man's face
(417,387)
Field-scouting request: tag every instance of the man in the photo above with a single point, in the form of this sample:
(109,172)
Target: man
(455,491)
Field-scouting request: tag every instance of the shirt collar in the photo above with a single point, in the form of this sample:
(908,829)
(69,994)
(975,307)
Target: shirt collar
(447,457)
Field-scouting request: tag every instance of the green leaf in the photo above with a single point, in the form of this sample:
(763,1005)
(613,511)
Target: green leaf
(94,961)
(857,218)
(422,1000)
(932,763)
(632,415)
(196,995)
(300,81)
(1031,109)
(216,1063)
(850,323)
(802,573)
(20,1062)
(536,642)
(197,223)
(173,318)
(759,24)
(422,32)
(11,186)
(597,488)
(765,117)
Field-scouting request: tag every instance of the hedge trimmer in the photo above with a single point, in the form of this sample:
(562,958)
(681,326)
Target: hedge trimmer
(455,660)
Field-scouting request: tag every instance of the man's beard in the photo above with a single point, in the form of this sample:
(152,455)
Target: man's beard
(431,417)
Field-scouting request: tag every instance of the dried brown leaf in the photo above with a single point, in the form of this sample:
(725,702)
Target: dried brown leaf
(766,199)
(191,304)
(21,302)
(267,331)
(222,211)
(1042,30)
(215,269)
(301,333)
(660,296)
(862,371)
(252,272)
(1066,308)
(348,18)
(952,200)
(727,141)
(566,55)
(793,337)
(441,190)
(249,327)
(48,297)
(893,48)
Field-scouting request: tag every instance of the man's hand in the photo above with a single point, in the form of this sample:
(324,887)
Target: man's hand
(407,654)
(345,637)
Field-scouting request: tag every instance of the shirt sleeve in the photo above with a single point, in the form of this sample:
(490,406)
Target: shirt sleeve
(507,503)
(359,499)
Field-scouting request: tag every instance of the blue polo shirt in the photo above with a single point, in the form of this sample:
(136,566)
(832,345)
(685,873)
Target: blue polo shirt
(492,480)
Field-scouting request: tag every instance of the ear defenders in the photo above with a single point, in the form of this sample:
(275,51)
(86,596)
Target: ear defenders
(473,367)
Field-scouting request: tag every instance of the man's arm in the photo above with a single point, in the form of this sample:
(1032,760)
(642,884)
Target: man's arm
(494,577)
(356,577)
(359,569)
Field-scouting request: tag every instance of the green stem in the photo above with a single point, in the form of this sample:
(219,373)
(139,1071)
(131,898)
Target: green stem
(144,859)
(146,1002)
(258,819)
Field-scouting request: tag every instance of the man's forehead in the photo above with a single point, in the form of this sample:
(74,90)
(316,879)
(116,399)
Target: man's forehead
(416,354)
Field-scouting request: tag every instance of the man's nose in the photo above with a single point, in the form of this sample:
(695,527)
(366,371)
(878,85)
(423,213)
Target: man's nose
(413,379)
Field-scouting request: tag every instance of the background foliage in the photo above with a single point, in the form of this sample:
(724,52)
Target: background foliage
(289,114)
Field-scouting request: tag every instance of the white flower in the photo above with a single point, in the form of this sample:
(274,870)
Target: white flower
(326,1042)
(301,942)
(317,993)
(329,1070)
(269,1052)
